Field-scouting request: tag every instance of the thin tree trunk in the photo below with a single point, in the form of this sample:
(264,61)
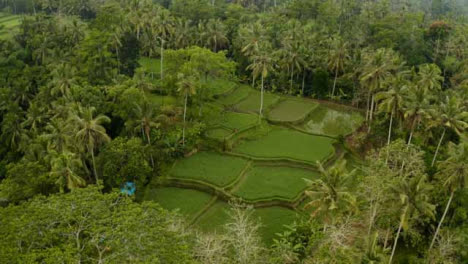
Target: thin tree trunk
(411,133)
(371,220)
(334,83)
(261,99)
(398,235)
(291,82)
(438,146)
(94,167)
(368,105)
(161,64)
(389,136)
(386,238)
(303,82)
(441,221)
(185,114)
(371,113)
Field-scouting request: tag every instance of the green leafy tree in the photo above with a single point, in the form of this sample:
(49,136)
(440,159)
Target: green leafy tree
(90,132)
(452,114)
(330,193)
(413,197)
(454,174)
(65,167)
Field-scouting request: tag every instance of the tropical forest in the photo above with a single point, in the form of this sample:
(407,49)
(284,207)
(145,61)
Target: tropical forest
(234,131)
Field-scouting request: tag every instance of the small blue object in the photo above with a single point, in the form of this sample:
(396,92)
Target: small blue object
(128,188)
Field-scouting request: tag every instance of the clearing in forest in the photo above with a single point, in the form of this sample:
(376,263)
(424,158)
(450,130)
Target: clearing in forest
(8,24)
(327,121)
(291,110)
(288,144)
(210,167)
(251,104)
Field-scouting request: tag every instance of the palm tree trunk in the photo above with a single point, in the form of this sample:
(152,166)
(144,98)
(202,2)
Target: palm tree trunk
(372,217)
(438,146)
(94,166)
(389,136)
(291,81)
(261,99)
(398,235)
(185,114)
(386,238)
(161,70)
(441,220)
(371,113)
(303,82)
(334,82)
(368,105)
(411,133)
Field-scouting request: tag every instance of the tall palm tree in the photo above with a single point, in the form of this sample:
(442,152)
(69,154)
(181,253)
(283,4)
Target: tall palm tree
(215,35)
(391,100)
(57,135)
(450,113)
(378,67)
(415,107)
(65,166)
(413,197)
(187,85)
(262,65)
(429,77)
(330,193)
(337,58)
(89,131)
(455,171)
(146,118)
(63,79)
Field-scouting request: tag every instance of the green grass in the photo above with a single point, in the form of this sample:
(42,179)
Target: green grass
(218,133)
(188,202)
(326,121)
(251,104)
(210,167)
(291,110)
(218,87)
(162,99)
(285,143)
(272,220)
(151,65)
(214,218)
(237,95)
(263,182)
(9,24)
(238,121)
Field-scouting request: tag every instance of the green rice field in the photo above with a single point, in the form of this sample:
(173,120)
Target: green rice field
(263,182)
(238,94)
(251,104)
(327,121)
(187,202)
(288,144)
(291,110)
(9,24)
(205,166)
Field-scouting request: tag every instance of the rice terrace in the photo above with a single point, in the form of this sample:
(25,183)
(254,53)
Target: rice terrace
(234,131)
(263,163)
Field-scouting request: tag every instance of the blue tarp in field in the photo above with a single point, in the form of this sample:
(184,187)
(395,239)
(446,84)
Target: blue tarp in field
(128,188)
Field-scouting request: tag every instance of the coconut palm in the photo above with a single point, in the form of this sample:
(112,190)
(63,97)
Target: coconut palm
(337,58)
(65,167)
(454,170)
(330,194)
(391,101)
(415,107)
(262,65)
(63,80)
(57,135)
(429,77)
(450,113)
(89,131)
(146,118)
(187,85)
(215,35)
(413,201)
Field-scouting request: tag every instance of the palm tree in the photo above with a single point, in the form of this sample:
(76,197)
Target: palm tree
(89,131)
(391,100)
(57,135)
(215,35)
(415,107)
(429,77)
(63,80)
(455,171)
(450,113)
(413,197)
(376,70)
(187,85)
(337,58)
(330,193)
(262,65)
(64,166)
(146,116)
(183,33)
